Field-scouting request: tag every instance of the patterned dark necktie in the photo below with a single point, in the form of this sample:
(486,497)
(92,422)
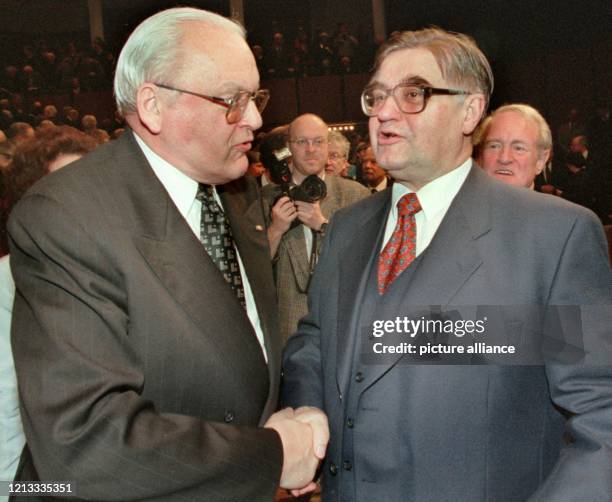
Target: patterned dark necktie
(400,251)
(216,236)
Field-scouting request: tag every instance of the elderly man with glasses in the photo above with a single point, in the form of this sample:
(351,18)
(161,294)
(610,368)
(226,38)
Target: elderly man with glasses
(458,334)
(145,334)
(296,228)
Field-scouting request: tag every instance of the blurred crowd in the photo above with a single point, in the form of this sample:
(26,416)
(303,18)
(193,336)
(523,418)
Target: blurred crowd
(341,52)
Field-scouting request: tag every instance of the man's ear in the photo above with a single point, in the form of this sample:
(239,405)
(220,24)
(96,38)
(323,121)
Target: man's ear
(150,107)
(543,156)
(474,107)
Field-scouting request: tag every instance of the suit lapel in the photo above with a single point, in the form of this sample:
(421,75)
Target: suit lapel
(246,218)
(330,204)
(181,264)
(354,273)
(295,242)
(449,261)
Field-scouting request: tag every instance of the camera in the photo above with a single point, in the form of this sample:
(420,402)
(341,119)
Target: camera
(311,189)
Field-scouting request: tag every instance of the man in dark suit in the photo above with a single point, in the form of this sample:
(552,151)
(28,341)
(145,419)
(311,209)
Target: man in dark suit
(449,238)
(144,330)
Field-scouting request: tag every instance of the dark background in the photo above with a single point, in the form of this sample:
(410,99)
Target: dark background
(553,55)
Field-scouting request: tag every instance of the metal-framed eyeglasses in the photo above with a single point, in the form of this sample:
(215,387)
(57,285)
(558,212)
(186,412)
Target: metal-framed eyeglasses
(314,142)
(410,98)
(236,105)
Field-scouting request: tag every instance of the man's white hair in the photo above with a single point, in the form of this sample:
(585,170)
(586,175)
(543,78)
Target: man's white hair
(154,51)
(340,139)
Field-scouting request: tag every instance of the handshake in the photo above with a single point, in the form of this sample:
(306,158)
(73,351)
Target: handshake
(304,433)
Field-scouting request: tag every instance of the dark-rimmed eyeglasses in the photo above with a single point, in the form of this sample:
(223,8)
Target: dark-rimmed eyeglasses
(410,98)
(236,105)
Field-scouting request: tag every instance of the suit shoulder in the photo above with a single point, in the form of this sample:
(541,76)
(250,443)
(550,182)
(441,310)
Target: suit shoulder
(351,187)
(537,208)
(356,213)
(86,174)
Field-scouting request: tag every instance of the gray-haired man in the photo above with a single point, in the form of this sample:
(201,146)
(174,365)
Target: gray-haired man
(144,331)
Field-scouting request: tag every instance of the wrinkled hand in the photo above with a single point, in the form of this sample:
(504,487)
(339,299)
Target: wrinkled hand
(310,214)
(304,433)
(283,213)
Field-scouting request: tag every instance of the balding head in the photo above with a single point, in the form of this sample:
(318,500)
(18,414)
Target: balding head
(308,144)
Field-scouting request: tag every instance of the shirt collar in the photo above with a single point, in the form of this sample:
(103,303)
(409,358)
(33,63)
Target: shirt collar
(438,194)
(180,187)
(382,185)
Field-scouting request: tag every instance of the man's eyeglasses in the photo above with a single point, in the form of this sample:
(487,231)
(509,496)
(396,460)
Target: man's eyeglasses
(410,98)
(316,142)
(236,105)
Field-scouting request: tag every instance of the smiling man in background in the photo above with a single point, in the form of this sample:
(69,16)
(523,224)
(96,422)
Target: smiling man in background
(515,145)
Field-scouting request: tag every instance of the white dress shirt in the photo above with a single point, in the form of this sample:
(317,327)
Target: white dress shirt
(382,185)
(435,199)
(182,190)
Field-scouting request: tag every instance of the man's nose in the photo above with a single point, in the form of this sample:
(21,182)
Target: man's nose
(252,117)
(505,155)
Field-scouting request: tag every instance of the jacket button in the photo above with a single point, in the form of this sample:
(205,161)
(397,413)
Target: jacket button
(229,417)
(359,377)
(346,465)
(350,423)
(333,469)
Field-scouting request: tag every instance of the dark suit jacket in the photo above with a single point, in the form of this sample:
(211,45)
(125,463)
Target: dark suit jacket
(414,432)
(140,375)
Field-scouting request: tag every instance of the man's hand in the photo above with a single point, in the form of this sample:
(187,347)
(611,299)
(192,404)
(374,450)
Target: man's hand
(310,214)
(304,434)
(282,214)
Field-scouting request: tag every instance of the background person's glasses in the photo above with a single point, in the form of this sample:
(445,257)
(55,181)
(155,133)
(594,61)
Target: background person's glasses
(302,142)
(410,98)
(236,105)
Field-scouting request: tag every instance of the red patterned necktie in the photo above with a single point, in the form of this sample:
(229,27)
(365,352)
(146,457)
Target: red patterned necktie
(400,251)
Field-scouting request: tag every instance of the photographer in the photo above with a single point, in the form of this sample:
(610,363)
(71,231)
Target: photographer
(298,210)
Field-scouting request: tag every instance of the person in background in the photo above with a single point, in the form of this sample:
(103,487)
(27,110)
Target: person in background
(295,246)
(19,132)
(515,145)
(256,168)
(33,159)
(337,156)
(89,123)
(374,176)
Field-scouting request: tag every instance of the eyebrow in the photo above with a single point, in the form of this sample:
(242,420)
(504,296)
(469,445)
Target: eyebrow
(413,79)
(512,142)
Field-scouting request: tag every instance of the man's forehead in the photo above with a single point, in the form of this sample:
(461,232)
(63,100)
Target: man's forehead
(513,123)
(308,126)
(221,58)
(409,65)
